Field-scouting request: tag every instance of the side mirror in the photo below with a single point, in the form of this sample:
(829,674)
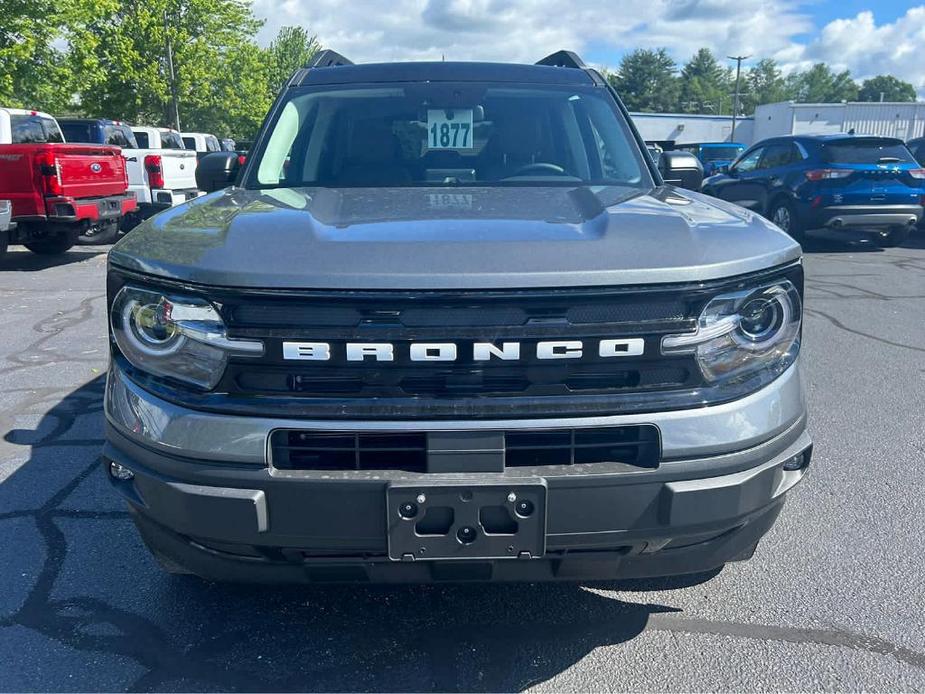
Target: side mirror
(217,170)
(681,169)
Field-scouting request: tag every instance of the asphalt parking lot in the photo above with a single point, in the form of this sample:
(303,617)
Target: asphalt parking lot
(834,598)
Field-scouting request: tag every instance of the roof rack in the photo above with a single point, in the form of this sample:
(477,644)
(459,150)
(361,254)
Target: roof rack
(563,59)
(328,58)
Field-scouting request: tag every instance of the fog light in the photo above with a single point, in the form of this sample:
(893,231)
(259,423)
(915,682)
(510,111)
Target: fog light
(120,472)
(797,462)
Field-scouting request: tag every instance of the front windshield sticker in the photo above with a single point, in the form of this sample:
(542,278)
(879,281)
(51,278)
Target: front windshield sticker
(449,128)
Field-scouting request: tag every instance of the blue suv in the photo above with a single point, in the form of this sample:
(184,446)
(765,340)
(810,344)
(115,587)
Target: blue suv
(832,185)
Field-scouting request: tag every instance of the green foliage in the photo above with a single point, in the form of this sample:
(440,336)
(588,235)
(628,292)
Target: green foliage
(706,86)
(293,48)
(764,84)
(891,89)
(646,81)
(821,84)
(113,62)
(33,73)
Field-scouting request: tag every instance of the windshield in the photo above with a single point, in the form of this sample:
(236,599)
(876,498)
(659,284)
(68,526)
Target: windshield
(720,153)
(867,152)
(440,133)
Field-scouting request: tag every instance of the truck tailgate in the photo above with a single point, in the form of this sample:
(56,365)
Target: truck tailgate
(89,171)
(179,168)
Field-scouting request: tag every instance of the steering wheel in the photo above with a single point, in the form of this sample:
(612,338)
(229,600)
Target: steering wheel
(538,167)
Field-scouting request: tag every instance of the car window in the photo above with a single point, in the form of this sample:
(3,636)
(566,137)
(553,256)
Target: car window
(212,144)
(141,138)
(34,128)
(866,151)
(170,139)
(719,153)
(116,135)
(189,142)
(749,162)
(776,155)
(918,151)
(449,133)
(78,131)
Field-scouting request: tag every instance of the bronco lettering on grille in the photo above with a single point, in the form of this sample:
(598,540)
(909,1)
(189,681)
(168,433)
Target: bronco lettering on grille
(451,351)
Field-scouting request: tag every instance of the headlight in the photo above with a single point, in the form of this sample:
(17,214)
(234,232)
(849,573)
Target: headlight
(745,333)
(174,337)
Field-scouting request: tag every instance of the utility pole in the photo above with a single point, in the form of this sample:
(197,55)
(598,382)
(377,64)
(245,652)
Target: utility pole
(735,98)
(173,78)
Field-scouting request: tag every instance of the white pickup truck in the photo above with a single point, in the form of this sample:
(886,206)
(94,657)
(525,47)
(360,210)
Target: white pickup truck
(161,172)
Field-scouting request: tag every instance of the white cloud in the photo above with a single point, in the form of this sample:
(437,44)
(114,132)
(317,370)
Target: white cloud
(861,45)
(519,30)
(525,30)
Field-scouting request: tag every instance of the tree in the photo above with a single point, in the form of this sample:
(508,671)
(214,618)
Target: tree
(820,84)
(646,81)
(118,48)
(705,85)
(292,48)
(888,87)
(33,72)
(764,84)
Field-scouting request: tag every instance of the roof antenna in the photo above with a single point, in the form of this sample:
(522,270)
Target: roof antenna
(443,57)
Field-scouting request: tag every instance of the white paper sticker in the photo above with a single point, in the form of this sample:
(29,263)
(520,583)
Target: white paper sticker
(449,128)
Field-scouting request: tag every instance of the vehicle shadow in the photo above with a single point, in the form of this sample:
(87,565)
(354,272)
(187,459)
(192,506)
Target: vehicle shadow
(819,245)
(23,260)
(78,581)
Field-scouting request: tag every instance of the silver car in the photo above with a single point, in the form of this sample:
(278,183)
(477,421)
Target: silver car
(449,322)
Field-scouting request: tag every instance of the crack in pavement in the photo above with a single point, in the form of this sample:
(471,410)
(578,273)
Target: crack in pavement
(860,333)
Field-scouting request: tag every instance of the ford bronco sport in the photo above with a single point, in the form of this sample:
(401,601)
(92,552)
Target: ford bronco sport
(450,323)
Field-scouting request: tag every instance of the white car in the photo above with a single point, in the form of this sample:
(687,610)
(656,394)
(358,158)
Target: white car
(159,176)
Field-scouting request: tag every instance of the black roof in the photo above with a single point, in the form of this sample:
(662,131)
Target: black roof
(443,72)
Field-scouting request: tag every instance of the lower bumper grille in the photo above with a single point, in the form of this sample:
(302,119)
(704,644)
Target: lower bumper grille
(635,445)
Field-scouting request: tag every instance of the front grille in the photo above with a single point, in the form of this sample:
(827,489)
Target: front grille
(465,388)
(460,387)
(635,445)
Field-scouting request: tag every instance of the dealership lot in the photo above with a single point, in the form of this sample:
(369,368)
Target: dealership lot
(832,600)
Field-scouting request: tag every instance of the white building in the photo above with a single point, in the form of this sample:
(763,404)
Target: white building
(902,120)
(669,129)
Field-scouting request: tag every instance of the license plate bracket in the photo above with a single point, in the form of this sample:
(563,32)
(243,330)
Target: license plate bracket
(463,520)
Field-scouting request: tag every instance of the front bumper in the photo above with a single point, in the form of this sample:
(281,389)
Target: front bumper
(229,517)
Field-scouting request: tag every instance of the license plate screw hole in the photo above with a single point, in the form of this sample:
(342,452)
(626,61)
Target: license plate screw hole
(524,508)
(512,497)
(465,495)
(466,535)
(408,510)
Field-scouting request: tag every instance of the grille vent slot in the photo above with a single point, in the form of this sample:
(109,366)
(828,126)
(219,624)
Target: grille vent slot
(635,445)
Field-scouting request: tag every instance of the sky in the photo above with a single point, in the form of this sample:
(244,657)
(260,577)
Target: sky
(868,37)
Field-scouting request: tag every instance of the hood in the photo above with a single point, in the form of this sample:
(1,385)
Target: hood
(459,238)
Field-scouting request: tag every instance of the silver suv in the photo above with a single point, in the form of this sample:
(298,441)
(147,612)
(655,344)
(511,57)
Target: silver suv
(451,322)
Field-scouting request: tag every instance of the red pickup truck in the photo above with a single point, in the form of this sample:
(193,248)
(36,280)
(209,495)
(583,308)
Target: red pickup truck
(57,190)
